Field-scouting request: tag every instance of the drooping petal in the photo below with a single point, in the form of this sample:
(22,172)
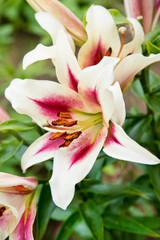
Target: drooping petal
(119,145)
(72,164)
(119,112)
(147,8)
(156,14)
(24,227)
(42,100)
(134,63)
(49,23)
(102,37)
(67,66)
(41,52)
(135,45)
(40,150)
(99,78)
(14,184)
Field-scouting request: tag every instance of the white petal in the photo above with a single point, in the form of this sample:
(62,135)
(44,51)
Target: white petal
(42,100)
(93,82)
(135,45)
(41,52)
(40,150)
(119,112)
(72,164)
(67,66)
(102,35)
(49,23)
(134,63)
(119,145)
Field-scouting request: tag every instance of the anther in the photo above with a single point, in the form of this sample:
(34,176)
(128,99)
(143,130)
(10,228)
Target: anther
(2,209)
(122,31)
(64,115)
(57,135)
(66,143)
(108,52)
(60,122)
(73,136)
(71,123)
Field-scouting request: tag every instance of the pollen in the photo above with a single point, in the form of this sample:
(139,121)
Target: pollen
(73,136)
(108,52)
(66,143)
(71,123)
(57,135)
(60,122)
(64,115)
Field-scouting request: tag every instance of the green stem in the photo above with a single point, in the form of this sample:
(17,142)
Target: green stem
(16,135)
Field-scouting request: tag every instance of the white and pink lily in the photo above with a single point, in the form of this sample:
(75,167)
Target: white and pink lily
(82,114)
(148,9)
(102,40)
(17,206)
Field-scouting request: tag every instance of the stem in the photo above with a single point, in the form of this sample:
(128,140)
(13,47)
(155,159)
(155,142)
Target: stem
(16,135)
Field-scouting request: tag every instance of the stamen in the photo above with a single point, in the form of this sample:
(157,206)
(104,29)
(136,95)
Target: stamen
(64,115)
(71,123)
(122,31)
(73,136)
(60,122)
(66,143)
(2,209)
(57,135)
(108,52)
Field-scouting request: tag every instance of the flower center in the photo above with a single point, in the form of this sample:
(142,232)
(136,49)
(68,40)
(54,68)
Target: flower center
(74,127)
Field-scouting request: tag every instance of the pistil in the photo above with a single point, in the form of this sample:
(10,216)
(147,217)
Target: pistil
(122,31)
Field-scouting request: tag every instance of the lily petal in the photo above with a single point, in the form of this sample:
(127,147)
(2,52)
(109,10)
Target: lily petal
(72,164)
(67,66)
(42,149)
(8,223)
(135,45)
(102,36)
(24,227)
(119,111)
(49,23)
(99,78)
(134,63)
(41,52)
(119,145)
(13,184)
(44,103)
(132,8)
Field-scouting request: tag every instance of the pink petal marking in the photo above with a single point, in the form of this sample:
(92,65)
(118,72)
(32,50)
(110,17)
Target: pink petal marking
(80,154)
(92,96)
(111,138)
(50,145)
(73,81)
(50,106)
(95,55)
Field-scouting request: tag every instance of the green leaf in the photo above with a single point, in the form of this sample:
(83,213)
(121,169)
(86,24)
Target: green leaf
(152,222)
(8,149)
(127,224)
(112,191)
(118,17)
(154,172)
(151,48)
(93,219)
(68,226)
(45,209)
(153,101)
(154,82)
(16,125)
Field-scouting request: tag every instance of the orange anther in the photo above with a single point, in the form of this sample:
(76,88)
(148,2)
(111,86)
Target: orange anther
(73,136)
(59,122)
(57,135)
(2,209)
(64,115)
(71,123)
(108,52)
(66,143)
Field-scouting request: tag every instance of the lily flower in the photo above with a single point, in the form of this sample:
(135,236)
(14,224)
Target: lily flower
(103,40)
(72,24)
(82,114)
(3,115)
(148,9)
(17,206)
